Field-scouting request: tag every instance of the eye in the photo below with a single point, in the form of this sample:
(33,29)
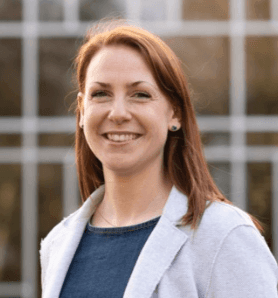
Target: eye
(141,94)
(99,94)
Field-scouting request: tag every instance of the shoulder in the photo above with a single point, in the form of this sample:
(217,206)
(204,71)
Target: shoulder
(236,245)
(222,223)
(227,240)
(223,217)
(81,214)
(220,220)
(57,230)
(226,234)
(226,223)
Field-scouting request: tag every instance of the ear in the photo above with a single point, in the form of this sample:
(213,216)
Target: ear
(80,103)
(175,118)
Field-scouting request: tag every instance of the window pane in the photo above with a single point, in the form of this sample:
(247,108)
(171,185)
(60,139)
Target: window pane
(10,140)
(257,9)
(205,61)
(205,10)
(57,139)
(98,9)
(10,228)
(259,195)
(50,197)
(153,10)
(49,203)
(262,75)
(10,77)
(56,71)
(259,138)
(221,175)
(10,10)
(215,139)
(51,10)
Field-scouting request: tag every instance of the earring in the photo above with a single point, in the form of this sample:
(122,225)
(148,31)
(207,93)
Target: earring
(174,128)
(82,126)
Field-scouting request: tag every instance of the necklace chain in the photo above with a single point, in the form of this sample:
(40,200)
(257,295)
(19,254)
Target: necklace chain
(106,220)
(117,226)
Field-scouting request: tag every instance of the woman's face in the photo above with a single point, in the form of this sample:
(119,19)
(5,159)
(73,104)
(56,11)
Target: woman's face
(126,117)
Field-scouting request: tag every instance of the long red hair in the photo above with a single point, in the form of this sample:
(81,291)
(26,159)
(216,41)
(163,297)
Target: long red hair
(184,161)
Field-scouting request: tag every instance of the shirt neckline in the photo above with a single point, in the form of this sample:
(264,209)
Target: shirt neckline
(119,230)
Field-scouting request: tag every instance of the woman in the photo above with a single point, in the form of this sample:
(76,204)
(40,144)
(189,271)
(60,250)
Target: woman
(153,223)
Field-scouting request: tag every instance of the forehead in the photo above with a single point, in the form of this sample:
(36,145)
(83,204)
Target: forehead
(116,63)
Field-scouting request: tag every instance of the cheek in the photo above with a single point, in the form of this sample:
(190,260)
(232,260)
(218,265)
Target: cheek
(88,120)
(160,133)
(91,124)
(91,116)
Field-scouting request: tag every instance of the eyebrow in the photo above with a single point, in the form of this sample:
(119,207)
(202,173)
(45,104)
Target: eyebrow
(134,84)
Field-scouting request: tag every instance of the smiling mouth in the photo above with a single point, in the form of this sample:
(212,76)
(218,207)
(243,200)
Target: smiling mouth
(121,138)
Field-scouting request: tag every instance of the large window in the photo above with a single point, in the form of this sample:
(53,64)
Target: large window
(228,49)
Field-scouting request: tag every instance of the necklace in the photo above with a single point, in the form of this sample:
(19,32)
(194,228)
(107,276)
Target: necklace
(118,226)
(106,220)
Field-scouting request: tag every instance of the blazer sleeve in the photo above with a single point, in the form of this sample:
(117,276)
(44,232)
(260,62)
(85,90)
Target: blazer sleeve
(243,267)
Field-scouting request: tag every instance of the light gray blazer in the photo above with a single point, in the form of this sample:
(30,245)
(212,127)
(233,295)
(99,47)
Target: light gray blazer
(225,258)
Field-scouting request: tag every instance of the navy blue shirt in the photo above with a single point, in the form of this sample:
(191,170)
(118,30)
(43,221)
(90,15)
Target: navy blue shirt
(104,260)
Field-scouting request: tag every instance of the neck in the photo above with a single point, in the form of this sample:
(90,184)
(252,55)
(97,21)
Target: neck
(133,199)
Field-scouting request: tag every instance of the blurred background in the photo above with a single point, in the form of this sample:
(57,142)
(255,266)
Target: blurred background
(229,52)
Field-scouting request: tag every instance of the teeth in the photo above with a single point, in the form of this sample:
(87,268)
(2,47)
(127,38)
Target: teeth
(121,138)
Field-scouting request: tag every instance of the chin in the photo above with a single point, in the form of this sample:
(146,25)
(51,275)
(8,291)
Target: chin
(124,167)
(119,164)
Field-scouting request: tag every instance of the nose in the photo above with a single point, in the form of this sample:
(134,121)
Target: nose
(119,112)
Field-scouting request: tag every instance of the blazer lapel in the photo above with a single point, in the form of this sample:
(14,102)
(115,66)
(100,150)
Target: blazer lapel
(160,249)
(65,246)
(156,256)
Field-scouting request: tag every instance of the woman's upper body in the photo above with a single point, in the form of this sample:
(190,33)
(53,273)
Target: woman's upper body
(225,257)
